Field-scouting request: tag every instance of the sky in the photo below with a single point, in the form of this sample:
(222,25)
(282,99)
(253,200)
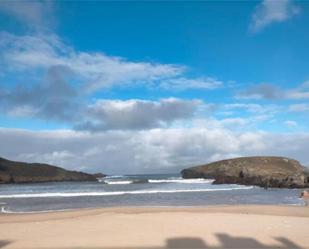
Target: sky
(126,87)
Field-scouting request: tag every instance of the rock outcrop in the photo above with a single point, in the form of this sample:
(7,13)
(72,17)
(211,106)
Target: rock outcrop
(278,172)
(20,172)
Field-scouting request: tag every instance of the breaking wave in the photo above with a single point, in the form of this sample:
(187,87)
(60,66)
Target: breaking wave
(181,180)
(169,180)
(114,176)
(112,193)
(118,182)
(135,181)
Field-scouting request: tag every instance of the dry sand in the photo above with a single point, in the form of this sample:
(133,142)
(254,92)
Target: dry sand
(131,227)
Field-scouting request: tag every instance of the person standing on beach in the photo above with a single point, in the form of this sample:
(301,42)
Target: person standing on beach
(305,195)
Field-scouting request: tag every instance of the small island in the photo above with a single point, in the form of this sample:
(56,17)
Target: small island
(276,172)
(21,172)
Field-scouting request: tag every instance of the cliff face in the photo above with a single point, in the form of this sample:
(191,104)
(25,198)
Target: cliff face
(20,172)
(260,171)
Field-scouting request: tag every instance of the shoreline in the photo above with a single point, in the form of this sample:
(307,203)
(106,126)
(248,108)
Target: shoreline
(218,226)
(207,208)
(271,210)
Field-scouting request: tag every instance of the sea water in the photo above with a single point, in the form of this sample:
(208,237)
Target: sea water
(137,190)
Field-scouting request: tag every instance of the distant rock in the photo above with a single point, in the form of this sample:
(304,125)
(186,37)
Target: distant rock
(20,172)
(278,172)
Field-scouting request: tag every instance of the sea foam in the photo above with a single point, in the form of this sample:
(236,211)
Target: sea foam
(135,192)
(181,180)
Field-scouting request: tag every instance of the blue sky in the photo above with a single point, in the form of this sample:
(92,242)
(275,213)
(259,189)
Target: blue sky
(210,37)
(105,73)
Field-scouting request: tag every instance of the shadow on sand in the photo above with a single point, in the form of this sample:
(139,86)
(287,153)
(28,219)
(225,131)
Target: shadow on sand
(226,241)
(4,243)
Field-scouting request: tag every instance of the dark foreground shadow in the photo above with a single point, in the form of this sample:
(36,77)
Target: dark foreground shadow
(185,243)
(225,240)
(3,243)
(228,241)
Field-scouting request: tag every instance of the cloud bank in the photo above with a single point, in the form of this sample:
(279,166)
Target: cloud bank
(136,114)
(151,151)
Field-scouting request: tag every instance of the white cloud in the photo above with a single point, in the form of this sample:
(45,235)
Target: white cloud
(269,91)
(22,111)
(251,108)
(136,114)
(291,123)
(300,92)
(52,99)
(299,108)
(235,122)
(97,69)
(272,11)
(152,151)
(65,79)
(53,158)
(261,91)
(36,14)
(94,70)
(184,83)
(242,106)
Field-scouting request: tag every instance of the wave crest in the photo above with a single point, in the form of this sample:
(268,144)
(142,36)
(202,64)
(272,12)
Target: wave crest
(181,180)
(81,194)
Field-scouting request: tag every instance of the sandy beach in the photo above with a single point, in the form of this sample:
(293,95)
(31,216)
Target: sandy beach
(166,227)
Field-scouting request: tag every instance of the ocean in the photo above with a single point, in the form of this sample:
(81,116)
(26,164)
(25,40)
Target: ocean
(137,190)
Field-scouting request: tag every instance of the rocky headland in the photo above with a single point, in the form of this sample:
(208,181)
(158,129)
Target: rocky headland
(277,172)
(20,172)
